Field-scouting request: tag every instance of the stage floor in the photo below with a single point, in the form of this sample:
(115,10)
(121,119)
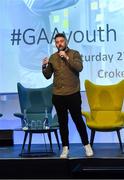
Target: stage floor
(101,150)
(107,162)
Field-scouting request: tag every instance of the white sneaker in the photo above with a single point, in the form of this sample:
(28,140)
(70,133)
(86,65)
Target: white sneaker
(65,152)
(88,150)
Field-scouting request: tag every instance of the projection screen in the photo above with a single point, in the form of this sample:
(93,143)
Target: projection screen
(27,31)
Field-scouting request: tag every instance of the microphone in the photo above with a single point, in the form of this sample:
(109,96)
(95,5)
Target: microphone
(61,49)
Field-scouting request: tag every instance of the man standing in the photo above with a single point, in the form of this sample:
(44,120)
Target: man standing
(65,66)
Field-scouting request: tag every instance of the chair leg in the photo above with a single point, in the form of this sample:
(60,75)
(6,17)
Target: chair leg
(23,145)
(50,139)
(119,137)
(92,137)
(57,138)
(30,139)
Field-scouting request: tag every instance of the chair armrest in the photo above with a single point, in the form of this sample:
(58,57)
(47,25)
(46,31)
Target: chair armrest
(19,115)
(86,114)
(122,116)
(54,122)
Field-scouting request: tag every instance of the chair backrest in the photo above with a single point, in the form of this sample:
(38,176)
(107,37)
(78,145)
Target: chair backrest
(105,97)
(35,101)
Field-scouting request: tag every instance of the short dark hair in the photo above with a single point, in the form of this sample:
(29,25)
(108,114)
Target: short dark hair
(60,35)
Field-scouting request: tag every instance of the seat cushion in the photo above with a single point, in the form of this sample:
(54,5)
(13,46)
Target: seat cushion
(105,120)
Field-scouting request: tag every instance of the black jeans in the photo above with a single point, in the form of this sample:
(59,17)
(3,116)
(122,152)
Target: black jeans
(73,104)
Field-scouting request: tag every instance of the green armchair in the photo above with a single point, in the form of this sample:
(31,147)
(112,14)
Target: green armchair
(33,103)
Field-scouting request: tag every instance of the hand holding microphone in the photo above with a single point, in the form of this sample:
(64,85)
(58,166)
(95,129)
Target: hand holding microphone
(62,54)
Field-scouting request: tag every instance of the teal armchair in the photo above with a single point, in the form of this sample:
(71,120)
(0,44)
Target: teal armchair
(33,103)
